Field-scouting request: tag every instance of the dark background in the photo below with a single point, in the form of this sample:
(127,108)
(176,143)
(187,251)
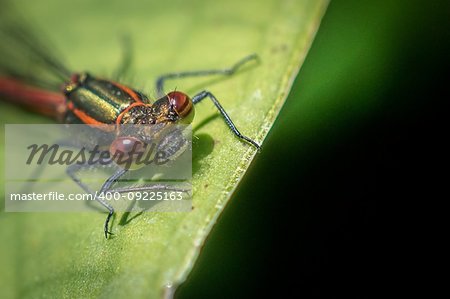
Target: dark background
(324,209)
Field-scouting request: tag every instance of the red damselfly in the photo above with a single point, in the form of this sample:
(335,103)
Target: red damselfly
(82,98)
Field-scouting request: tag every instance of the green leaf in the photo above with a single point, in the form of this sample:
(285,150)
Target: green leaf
(65,254)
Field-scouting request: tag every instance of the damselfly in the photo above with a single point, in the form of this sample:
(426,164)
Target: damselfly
(83,98)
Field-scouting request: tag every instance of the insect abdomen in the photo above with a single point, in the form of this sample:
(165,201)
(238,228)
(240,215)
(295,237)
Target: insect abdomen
(98,101)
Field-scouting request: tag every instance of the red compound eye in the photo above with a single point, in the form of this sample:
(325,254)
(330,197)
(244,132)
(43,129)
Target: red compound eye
(183,106)
(181,102)
(75,78)
(126,150)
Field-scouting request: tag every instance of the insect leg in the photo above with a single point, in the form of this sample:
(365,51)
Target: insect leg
(228,72)
(74,168)
(147,188)
(106,187)
(206,94)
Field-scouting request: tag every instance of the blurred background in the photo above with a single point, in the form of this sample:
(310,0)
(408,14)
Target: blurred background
(317,213)
(324,210)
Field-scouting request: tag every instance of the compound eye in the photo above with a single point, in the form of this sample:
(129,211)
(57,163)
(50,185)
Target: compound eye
(183,106)
(181,102)
(125,151)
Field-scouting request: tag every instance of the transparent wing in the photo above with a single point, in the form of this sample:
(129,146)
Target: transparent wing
(24,52)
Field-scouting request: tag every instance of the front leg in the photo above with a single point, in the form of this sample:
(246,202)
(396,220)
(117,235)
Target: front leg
(74,168)
(226,72)
(206,94)
(105,188)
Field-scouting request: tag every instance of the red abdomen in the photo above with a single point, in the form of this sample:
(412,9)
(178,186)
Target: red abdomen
(45,102)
